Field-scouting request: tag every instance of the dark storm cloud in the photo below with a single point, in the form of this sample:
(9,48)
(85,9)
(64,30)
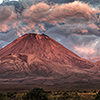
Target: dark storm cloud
(61,1)
(31,2)
(93,2)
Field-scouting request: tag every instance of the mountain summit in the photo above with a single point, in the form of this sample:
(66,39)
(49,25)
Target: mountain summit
(44,47)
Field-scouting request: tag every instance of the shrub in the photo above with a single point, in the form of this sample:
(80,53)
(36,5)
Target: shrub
(36,94)
(66,95)
(97,96)
(76,97)
(84,91)
(94,91)
(2,97)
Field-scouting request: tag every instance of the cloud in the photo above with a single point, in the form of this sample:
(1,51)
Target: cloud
(86,46)
(72,24)
(75,28)
(82,39)
(56,14)
(88,50)
(28,3)
(8,18)
(93,2)
(35,17)
(39,16)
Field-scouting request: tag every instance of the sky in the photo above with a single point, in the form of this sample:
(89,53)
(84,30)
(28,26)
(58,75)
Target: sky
(76,26)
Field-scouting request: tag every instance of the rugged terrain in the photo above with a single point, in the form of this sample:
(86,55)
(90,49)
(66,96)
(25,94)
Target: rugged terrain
(38,59)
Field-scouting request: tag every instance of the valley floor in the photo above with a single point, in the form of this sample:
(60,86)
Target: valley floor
(22,88)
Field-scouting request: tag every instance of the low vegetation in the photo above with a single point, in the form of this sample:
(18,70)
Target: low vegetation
(40,94)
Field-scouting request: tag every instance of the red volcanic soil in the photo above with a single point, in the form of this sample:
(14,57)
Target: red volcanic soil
(46,48)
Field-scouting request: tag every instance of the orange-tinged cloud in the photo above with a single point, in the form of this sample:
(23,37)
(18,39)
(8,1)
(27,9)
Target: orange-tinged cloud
(56,14)
(33,17)
(8,18)
(85,50)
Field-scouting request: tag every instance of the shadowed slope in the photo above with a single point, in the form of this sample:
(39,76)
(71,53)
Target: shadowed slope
(25,65)
(28,69)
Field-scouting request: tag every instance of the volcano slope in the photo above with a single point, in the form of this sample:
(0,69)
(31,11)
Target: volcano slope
(38,59)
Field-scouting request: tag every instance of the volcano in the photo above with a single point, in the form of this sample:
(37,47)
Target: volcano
(44,47)
(39,59)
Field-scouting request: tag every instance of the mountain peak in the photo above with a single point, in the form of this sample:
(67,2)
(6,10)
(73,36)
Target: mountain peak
(35,36)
